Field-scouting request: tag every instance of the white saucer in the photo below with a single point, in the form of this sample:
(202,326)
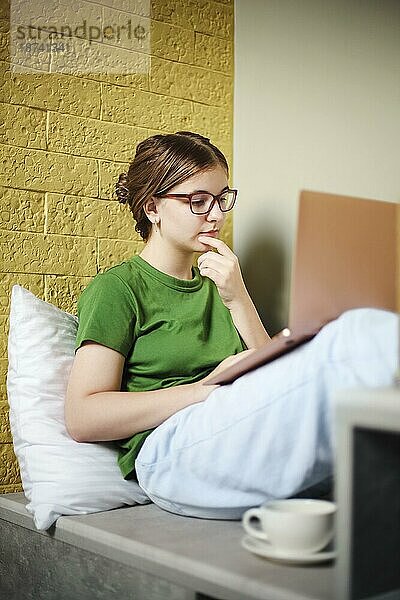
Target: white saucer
(266,550)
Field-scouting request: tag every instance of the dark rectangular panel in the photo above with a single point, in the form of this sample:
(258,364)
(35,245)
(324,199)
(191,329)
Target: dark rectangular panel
(375,552)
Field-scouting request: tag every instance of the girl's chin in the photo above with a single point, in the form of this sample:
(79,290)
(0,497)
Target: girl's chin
(201,245)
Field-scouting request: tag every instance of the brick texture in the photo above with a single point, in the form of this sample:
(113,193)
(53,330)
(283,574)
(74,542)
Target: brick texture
(108,175)
(67,133)
(33,283)
(22,210)
(22,126)
(9,471)
(172,43)
(64,291)
(122,105)
(3,375)
(3,336)
(55,91)
(213,53)
(191,83)
(53,254)
(93,138)
(48,171)
(5,434)
(88,217)
(115,251)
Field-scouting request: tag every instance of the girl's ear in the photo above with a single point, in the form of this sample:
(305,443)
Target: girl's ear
(151,209)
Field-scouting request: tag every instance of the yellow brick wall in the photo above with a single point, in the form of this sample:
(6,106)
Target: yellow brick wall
(65,138)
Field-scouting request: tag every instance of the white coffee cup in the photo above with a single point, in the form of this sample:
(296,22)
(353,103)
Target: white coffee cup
(293,525)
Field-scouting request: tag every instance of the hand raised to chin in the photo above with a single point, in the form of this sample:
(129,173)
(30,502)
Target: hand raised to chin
(223,268)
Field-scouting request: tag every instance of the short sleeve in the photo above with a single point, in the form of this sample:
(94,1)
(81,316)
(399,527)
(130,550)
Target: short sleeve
(107,314)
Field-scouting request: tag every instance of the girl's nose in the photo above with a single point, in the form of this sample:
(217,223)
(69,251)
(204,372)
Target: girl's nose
(215,213)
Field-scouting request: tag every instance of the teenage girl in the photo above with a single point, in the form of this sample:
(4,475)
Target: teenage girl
(154,329)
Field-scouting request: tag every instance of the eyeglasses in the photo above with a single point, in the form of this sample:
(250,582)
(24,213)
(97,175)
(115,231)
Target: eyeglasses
(201,203)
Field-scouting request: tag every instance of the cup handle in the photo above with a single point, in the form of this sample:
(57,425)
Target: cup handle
(253,513)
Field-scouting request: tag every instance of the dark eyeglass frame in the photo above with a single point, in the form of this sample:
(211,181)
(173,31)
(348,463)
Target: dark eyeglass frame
(216,198)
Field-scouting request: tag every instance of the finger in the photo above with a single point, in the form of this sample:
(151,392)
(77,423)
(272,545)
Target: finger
(211,274)
(221,272)
(202,257)
(219,245)
(212,258)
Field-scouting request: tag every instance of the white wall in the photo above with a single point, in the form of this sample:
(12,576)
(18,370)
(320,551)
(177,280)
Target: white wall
(317,106)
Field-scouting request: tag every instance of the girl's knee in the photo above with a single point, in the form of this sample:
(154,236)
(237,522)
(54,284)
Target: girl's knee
(367,317)
(368,334)
(359,332)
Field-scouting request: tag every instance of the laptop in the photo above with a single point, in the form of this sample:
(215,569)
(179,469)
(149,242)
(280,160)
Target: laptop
(346,256)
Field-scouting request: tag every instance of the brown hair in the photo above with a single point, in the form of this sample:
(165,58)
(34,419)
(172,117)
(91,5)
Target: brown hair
(161,162)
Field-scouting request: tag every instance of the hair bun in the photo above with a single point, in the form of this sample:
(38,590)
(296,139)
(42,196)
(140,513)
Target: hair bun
(121,188)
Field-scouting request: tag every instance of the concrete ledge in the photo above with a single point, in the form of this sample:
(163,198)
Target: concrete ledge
(156,552)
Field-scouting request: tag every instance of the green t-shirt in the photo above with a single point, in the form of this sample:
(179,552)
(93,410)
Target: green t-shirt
(170,331)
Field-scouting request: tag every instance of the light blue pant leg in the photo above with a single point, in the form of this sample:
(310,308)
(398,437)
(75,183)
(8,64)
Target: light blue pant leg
(270,433)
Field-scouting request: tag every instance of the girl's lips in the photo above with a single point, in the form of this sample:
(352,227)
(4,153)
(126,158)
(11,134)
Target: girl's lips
(210,234)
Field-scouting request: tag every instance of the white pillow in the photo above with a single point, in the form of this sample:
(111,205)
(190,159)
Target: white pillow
(59,476)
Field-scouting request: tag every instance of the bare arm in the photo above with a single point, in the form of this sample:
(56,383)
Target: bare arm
(223,268)
(248,322)
(96,409)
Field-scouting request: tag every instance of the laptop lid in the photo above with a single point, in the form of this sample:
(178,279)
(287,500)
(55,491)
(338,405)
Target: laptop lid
(346,256)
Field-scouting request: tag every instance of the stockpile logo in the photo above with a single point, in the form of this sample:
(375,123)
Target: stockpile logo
(79,37)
